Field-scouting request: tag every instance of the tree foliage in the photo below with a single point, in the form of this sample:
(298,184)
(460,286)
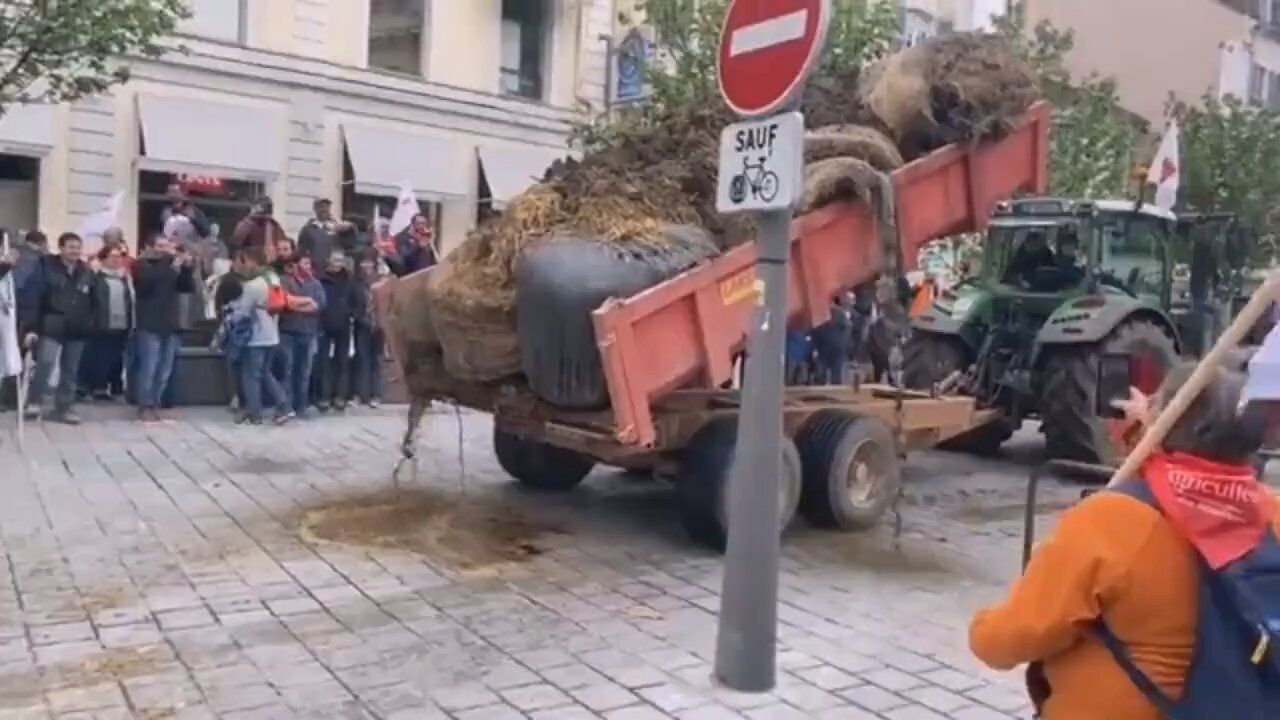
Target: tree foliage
(1229,153)
(682,72)
(61,50)
(1093,140)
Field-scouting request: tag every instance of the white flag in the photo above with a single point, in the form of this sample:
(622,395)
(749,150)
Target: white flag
(10,352)
(105,218)
(406,208)
(1166,169)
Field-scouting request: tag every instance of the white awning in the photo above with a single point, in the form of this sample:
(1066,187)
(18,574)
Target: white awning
(28,127)
(383,159)
(511,170)
(181,133)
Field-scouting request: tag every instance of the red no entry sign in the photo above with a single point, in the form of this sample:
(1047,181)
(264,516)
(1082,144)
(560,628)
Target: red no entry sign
(767,48)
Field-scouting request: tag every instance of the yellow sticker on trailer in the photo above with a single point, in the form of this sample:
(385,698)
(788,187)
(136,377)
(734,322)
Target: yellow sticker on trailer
(739,288)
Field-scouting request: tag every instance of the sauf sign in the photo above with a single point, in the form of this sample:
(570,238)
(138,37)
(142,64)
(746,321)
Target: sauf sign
(762,164)
(767,50)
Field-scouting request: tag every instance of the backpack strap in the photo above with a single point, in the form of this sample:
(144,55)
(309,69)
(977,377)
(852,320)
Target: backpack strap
(1120,652)
(1140,491)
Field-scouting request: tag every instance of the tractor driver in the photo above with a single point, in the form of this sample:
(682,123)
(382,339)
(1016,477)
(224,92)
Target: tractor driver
(1068,260)
(1031,255)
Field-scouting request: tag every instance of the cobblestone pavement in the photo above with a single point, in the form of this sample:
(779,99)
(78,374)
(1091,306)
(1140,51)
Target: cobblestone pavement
(197,569)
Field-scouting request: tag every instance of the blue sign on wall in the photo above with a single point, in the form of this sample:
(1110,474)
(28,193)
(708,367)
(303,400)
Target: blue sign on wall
(632,63)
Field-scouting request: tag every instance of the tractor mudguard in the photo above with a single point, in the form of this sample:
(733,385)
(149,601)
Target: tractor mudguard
(955,313)
(1090,318)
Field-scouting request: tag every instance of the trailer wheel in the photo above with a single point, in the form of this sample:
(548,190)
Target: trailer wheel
(537,465)
(703,482)
(851,470)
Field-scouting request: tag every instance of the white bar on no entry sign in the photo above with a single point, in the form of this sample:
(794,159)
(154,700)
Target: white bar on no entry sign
(768,33)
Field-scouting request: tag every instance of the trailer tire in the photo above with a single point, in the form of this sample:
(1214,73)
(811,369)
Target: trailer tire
(929,359)
(851,470)
(538,465)
(703,482)
(1071,427)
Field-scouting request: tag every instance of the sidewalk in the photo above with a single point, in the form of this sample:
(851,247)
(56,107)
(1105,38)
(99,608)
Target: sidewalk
(201,570)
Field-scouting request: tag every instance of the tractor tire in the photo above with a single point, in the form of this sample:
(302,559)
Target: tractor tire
(1068,400)
(931,358)
(539,466)
(703,482)
(851,470)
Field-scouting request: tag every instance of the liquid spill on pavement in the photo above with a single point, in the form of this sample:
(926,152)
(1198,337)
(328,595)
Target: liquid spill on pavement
(469,533)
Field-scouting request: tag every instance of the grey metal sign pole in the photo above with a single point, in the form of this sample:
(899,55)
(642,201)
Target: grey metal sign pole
(746,647)
(767,50)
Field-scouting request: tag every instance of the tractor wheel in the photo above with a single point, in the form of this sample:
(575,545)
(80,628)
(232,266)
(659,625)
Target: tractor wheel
(931,358)
(703,482)
(540,466)
(851,470)
(1068,401)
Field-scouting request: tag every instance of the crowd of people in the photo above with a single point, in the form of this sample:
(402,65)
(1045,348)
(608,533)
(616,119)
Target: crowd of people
(295,320)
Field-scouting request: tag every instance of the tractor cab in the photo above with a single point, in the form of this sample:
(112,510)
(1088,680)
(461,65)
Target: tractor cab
(1061,248)
(1064,284)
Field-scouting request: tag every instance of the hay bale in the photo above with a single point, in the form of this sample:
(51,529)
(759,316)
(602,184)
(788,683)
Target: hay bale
(835,179)
(959,87)
(477,334)
(896,91)
(864,143)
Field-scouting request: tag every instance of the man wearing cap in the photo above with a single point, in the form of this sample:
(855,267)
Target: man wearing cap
(319,236)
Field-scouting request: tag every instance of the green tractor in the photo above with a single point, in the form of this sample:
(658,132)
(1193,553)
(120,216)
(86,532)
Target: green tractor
(1065,289)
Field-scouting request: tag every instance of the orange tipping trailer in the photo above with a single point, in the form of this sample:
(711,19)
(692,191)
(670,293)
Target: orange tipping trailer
(668,352)
(698,320)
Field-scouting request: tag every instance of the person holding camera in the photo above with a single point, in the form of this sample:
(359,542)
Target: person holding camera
(160,276)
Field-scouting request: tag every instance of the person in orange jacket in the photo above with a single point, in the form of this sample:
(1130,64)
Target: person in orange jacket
(1111,557)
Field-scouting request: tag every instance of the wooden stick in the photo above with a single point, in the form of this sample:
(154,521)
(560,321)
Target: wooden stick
(1248,317)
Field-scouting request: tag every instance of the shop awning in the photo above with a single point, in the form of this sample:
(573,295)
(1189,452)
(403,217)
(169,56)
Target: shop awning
(28,127)
(511,170)
(185,133)
(383,159)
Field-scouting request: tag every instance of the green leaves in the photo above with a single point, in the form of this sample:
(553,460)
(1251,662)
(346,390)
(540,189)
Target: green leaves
(1093,137)
(683,73)
(60,50)
(1229,154)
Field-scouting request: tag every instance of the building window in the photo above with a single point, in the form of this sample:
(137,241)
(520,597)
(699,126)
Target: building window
(19,194)
(225,20)
(396,31)
(224,201)
(1273,91)
(1257,84)
(523,29)
(362,208)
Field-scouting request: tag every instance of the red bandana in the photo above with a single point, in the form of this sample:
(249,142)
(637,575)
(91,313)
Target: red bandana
(1221,509)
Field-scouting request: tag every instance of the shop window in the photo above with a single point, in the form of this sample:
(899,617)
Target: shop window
(360,208)
(524,30)
(225,20)
(396,33)
(224,201)
(19,194)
